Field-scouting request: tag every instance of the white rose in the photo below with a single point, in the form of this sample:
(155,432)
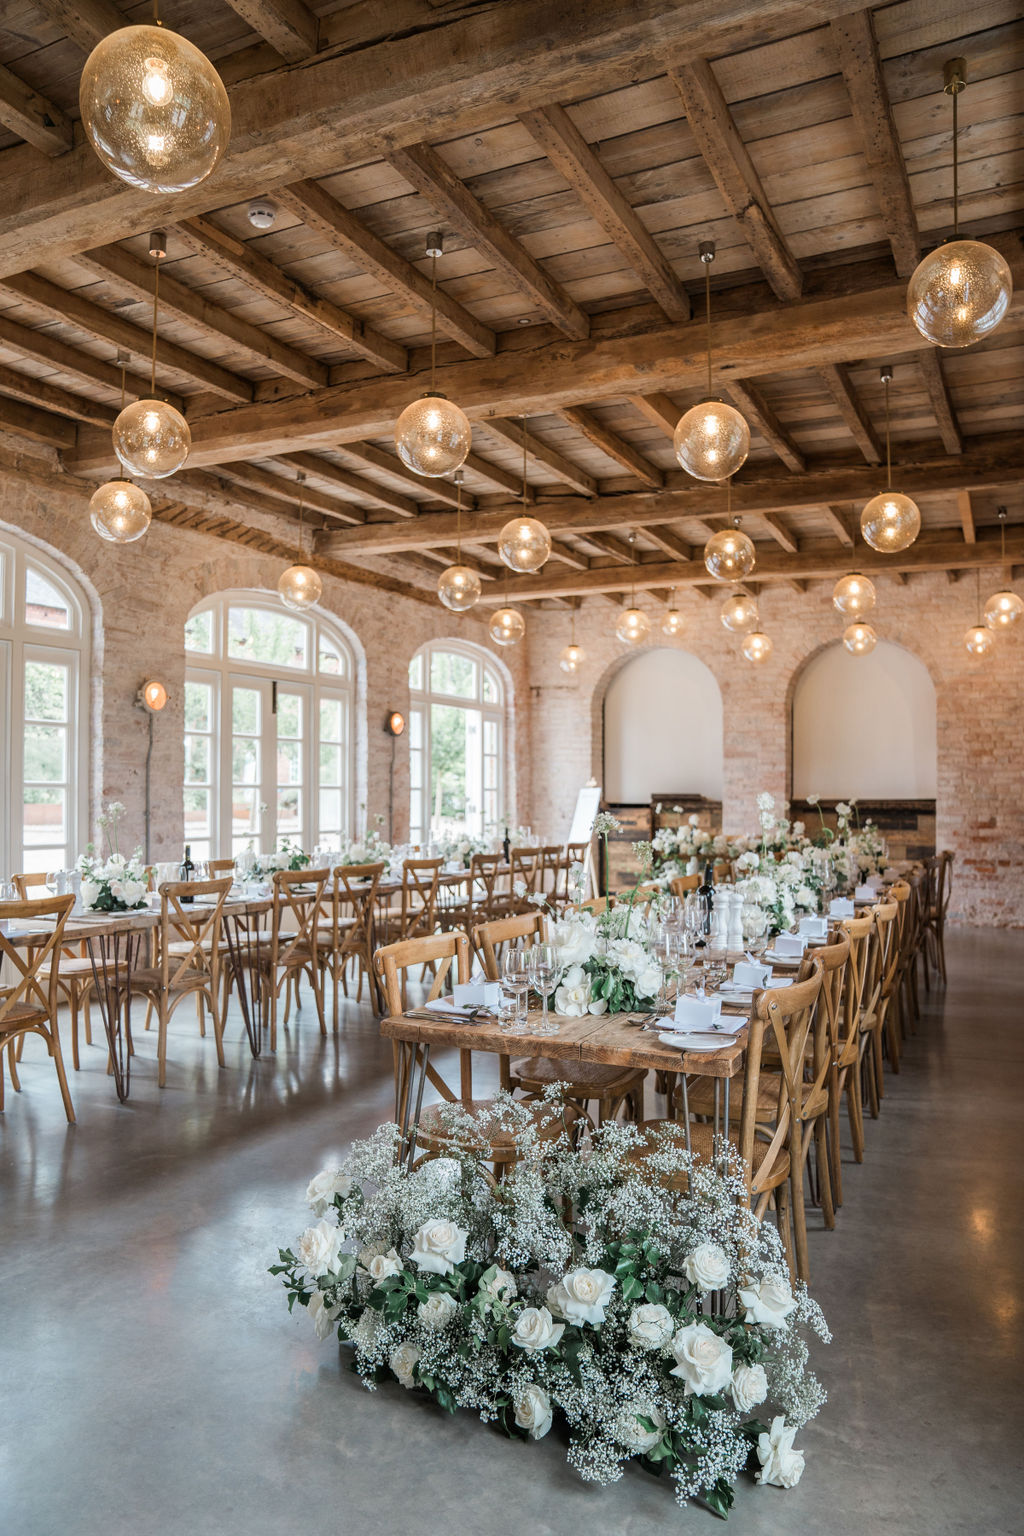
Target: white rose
(574,940)
(630,1432)
(780,1463)
(536,1329)
(501,1286)
(320,1192)
(572,998)
(438,1246)
(798,829)
(90,891)
(650,1326)
(765,802)
(703,1360)
(519,889)
(322,1316)
(402,1361)
(438,1310)
(383,1265)
(707,1267)
(318,1249)
(768,1301)
(533,1412)
(749,1387)
(582,1295)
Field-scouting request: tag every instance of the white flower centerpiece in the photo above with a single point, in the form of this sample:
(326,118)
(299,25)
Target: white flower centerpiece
(657,1326)
(781,879)
(112,883)
(459,849)
(368,849)
(681,850)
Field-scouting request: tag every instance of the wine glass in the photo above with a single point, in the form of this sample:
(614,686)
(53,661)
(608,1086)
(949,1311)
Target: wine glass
(545,974)
(516,975)
(663,947)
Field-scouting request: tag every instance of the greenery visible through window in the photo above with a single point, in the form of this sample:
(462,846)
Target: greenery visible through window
(455,766)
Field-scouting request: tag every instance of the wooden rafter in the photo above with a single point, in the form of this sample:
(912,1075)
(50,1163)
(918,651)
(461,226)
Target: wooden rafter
(941,403)
(613,446)
(39,425)
(850,409)
(86,22)
(557,135)
(608,544)
(749,400)
(779,532)
(555,463)
(498,476)
(966,511)
(51,397)
(670,542)
(290,490)
(659,410)
(289,26)
(390,464)
(345,480)
(840,523)
(42,346)
(32,117)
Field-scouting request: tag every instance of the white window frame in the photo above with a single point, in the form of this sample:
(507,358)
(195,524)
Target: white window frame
(20,643)
(224,672)
(494,711)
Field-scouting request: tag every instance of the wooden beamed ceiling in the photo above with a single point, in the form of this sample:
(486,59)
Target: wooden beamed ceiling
(812,145)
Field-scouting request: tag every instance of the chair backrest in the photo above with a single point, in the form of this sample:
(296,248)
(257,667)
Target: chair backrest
(882,956)
(482,891)
(576,853)
(221,866)
(419,896)
(29,969)
(723,872)
(488,938)
(353,895)
(550,858)
(190,913)
(859,931)
(945,882)
(782,1019)
(28,882)
(598,904)
(298,896)
(526,866)
(831,959)
(441,950)
(682,885)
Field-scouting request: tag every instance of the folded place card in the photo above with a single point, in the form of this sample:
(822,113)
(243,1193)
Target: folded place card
(814,927)
(792,945)
(840,906)
(865,893)
(697,1012)
(747,975)
(476,994)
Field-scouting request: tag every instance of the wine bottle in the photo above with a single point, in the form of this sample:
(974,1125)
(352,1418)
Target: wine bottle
(506,847)
(187,870)
(706,896)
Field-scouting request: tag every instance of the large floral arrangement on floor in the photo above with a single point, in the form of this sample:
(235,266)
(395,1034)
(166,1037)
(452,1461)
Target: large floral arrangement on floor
(653,1323)
(112,883)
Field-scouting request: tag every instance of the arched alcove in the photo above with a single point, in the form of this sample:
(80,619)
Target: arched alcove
(662,729)
(864,726)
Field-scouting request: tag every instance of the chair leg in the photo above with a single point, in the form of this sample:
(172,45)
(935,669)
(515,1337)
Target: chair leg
(940,951)
(62,1079)
(73,1006)
(821,1158)
(218,1026)
(161,1045)
(12,1058)
(201,1015)
(876,1056)
(835,1093)
(784,1222)
(796,1180)
(892,1034)
(855,1111)
(869,1083)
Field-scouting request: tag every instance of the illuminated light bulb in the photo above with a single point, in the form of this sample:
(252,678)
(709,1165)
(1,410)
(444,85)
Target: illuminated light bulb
(757,647)
(151,439)
(890,522)
(632,626)
(739,613)
(570,659)
(672,623)
(853,596)
(979,640)
(120,512)
(729,555)
(524,544)
(1003,610)
(507,626)
(959,293)
(300,587)
(154,108)
(154,695)
(711,440)
(458,587)
(860,639)
(433,436)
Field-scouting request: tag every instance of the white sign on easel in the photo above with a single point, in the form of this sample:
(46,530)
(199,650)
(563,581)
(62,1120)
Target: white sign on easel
(588,803)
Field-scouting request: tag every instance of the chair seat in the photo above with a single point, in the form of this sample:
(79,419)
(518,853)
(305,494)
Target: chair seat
(69,969)
(149,978)
(496,1142)
(586,1079)
(23,1016)
(701,1099)
(702,1147)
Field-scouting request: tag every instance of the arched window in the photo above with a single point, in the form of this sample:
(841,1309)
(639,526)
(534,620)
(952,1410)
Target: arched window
(456,741)
(268,727)
(44,672)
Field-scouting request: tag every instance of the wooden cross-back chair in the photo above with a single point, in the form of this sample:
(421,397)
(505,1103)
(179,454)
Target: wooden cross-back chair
(75,976)
(188,959)
(351,904)
(573,853)
(526,870)
(481,901)
(550,859)
(939,874)
(892,982)
(847,1079)
(682,885)
(875,1000)
(28,997)
(296,948)
(820,1108)
(416,916)
(914,946)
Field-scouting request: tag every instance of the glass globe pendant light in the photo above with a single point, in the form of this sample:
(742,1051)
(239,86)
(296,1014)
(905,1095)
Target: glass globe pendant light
(672,620)
(1004,608)
(151,438)
(574,654)
(507,626)
(458,587)
(524,543)
(300,586)
(120,512)
(853,596)
(729,554)
(154,108)
(757,646)
(632,626)
(859,639)
(711,439)
(961,291)
(432,435)
(739,613)
(890,522)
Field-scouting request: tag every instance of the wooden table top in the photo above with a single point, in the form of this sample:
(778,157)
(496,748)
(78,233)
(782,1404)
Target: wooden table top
(98,925)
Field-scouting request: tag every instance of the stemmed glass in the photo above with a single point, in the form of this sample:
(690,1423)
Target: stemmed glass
(545,974)
(663,945)
(516,974)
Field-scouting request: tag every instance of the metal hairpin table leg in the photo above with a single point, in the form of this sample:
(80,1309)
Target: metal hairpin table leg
(113,957)
(244,958)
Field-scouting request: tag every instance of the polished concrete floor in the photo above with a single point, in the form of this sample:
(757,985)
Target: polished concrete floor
(153,1382)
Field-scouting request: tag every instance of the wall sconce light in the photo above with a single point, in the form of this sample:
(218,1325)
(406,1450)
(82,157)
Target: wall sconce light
(395,723)
(152,696)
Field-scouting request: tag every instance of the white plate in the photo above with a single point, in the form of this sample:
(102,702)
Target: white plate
(683,1042)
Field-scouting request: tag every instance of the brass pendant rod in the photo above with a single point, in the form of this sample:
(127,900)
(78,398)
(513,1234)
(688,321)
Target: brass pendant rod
(433,323)
(888,441)
(707,317)
(156,302)
(458,519)
(524,465)
(956,166)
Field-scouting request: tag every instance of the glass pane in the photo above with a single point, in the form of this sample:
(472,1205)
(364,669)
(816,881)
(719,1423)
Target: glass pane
(288,823)
(331,659)
(197,815)
(199,633)
(259,634)
(492,692)
(45,818)
(289,714)
(447,763)
(416,771)
(416,730)
(198,706)
(491,736)
(44,605)
(416,672)
(452,673)
(46,691)
(289,762)
(330,811)
(245,821)
(244,760)
(245,710)
(330,764)
(330,719)
(45,754)
(490,773)
(197,759)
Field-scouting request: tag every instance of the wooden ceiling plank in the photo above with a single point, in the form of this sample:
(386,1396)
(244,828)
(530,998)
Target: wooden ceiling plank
(568,151)
(423,168)
(839,523)
(288,26)
(128,274)
(498,476)
(857,51)
(941,402)
(966,511)
(250,267)
(390,464)
(616,447)
(557,464)
(608,544)
(86,22)
(369,490)
(51,397)
(290,490)
(319,211)
(43,346)
(750,402)
(32,117)
(108,327)
(850,409)
(727,158)
(569,556)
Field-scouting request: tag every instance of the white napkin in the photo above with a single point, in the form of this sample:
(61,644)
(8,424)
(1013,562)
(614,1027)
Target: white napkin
(790,945)
(865,893)
(814,927)
(698,1012)
(746,974)
(477,993)
(840,906)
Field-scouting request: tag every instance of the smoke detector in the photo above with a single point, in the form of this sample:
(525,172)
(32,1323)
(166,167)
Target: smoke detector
(262,213)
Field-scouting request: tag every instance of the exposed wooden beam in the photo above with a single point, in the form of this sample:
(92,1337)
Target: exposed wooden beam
(496,474)
(391,464)
(50,397)
(964,507)
(856,48)
(71,309)
(852,412)
(289,26)
(616,447)
(322,213)
(729,162)
(423,168)
(40,426)
(659,410)
(367,490)
(608,544)
(798,586)
(750,402)
(290,490)
(941,403)
(557,135)
(670,542)
(32,117)
(86,22)
(44,347)
(840,523)
(570,556)
(779,532)
(130,275)
(548,458)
